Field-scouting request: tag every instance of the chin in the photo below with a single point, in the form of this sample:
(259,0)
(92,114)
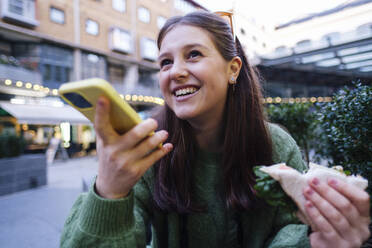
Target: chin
(185,115)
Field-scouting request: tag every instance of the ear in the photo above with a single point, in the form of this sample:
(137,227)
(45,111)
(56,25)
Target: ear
(234,67)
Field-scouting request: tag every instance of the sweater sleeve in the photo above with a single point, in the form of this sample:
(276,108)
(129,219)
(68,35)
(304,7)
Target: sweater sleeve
(287,230)
(98,222)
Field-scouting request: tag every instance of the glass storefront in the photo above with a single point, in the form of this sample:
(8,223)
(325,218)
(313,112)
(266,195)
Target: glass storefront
(54,63)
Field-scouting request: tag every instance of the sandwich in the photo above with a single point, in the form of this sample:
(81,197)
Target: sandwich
(281,185)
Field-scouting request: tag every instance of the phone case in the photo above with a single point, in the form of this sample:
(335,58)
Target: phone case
(122,116)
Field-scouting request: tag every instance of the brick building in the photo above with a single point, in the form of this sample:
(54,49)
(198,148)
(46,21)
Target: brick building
(44,43)
(55,41)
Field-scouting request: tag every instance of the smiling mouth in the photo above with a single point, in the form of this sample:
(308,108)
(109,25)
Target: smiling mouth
(185,91)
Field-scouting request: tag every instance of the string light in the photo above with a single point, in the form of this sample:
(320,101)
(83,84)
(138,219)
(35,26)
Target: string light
(160,101)
(24,127)
(297,99)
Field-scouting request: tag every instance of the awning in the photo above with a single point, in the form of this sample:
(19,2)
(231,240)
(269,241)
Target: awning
(43,114)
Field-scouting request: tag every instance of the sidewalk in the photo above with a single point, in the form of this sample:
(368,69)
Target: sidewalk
(35,218)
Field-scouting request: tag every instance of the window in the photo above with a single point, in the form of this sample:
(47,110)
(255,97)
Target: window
(58,74)
(91,27)
(54,75)
(16,7)
(92,58)
(332,37)
(116,75)
(119,5)
(22,11)
(47,73)
(56,65)
(149,49)
(364,29)
(281,49)
(147,78)
(161,21)
(24,8)
(57,15)
(144,15)
(303,43)
(92,66)
(121,40)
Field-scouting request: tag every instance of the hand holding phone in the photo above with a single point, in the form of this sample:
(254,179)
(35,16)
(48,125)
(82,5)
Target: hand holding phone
(123,159)
(83,96)
(125,148)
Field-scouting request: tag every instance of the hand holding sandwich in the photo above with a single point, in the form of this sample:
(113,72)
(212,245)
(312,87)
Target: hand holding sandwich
(339,212)
(333,204)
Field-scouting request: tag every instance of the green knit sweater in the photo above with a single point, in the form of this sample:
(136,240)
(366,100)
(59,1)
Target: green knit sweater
(99,222)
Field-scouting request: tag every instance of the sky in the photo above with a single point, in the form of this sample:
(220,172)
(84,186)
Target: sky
(273,12)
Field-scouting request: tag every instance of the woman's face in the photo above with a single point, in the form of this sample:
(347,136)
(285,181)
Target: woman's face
(193,74)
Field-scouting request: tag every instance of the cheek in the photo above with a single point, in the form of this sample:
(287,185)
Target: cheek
(163,83)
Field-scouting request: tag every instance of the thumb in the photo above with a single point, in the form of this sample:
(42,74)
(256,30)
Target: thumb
(102,123)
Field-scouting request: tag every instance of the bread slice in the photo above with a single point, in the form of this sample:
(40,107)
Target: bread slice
(293,182)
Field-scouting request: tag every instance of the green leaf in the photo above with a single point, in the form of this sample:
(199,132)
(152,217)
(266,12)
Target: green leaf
(270,191)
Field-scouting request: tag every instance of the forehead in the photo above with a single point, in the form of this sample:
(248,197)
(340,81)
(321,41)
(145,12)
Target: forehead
(183,35)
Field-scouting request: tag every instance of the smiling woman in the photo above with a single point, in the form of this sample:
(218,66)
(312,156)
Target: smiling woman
(198,189)
(194,75)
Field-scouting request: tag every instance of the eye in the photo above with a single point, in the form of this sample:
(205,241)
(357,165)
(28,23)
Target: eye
(194,54)
(165,62)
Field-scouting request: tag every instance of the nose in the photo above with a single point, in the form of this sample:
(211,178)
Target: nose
(178,71)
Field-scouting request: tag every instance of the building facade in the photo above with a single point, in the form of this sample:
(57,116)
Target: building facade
(318,54)
(66,40)
(44,43)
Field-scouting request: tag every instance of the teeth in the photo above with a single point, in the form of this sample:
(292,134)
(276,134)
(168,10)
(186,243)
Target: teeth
(185,91)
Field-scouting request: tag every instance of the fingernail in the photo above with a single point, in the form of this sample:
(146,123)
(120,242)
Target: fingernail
(315,181)
(164,134)
(309,191)
(153,122)
(309,204)
(101,102)
(168,147)
(333,182)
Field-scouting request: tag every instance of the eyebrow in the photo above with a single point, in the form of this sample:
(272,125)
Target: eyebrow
(185,47)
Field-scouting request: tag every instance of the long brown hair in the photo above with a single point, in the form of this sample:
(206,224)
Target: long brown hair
(246,141)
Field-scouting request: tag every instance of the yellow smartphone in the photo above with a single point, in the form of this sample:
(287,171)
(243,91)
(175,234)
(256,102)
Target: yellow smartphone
(83,96)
